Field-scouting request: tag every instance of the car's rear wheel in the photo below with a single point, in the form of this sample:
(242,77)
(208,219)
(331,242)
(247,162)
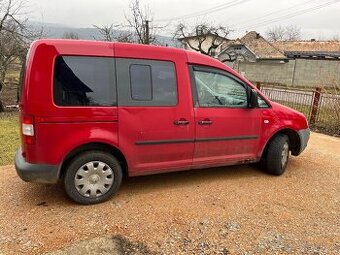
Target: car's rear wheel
(276,159)
(92,177)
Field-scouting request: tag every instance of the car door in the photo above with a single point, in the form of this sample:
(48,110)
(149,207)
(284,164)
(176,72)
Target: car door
(227,130)
(156,122)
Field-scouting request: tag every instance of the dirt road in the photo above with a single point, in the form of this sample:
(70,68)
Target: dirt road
(230,210)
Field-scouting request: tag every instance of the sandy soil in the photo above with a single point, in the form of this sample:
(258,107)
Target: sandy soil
(230,210)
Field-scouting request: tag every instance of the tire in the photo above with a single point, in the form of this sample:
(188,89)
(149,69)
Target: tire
(277,156)
(92,177)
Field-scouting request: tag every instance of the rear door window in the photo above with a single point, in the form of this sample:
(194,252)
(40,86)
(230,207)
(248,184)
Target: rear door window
(84,81)
(140,82)
(146,82)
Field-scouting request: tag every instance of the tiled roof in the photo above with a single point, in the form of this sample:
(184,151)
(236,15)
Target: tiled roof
(258,45)
(325,46)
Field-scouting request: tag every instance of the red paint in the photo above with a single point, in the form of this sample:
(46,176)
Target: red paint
(59,130)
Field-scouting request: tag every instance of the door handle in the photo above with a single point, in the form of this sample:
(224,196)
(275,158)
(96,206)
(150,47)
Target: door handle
(182,122)
(205,122)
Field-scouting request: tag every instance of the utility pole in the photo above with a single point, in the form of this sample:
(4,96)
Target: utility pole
(147,32)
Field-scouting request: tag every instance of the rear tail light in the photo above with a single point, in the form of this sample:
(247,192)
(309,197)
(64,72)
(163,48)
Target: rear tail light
(27,129)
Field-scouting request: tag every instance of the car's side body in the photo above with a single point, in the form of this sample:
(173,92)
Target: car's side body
(145,137)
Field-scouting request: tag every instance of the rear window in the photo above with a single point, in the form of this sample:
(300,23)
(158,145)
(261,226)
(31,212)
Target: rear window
(84,81)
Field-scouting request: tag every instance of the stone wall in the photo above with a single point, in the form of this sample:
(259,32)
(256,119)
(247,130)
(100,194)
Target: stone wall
(299,72)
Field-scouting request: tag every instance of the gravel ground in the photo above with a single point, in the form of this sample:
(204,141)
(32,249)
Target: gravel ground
(230,210)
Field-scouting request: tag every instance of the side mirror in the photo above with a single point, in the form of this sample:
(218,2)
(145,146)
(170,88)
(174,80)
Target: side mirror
(252,100)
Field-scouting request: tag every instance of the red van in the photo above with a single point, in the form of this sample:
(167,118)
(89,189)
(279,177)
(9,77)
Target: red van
(93,112)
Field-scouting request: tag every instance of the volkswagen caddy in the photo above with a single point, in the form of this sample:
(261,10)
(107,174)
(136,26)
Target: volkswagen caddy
(93,112)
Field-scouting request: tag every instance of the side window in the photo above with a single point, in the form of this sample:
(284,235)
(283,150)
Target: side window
(218,90)
(140,82)
(146,82)
(261,103)
(84,81)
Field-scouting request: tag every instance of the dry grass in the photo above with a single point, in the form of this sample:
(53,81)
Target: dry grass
(9,137)
(8,94)
(12,75)
(328,116)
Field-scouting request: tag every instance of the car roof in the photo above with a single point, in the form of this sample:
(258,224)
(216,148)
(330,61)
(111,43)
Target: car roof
(192,56)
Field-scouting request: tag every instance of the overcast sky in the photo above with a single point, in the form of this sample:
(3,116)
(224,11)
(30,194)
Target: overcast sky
(243,15)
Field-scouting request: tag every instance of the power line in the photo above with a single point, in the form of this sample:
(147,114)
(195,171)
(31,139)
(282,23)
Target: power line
(197,13)
(277,11)
(205,12)
(290,15)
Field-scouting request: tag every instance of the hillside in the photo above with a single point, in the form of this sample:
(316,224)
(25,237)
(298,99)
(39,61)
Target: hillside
(52,30)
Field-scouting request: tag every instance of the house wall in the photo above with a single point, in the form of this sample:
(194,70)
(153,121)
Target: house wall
(314,72)
(299,72)
(237,51)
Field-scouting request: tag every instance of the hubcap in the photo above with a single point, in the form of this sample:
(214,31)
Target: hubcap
(94,179)
(285,155)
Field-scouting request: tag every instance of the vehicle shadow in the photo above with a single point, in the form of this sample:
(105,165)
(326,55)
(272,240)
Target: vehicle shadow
(44,194)
(149,183)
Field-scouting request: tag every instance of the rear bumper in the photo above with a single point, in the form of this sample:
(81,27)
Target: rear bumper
(304,138)
(39,173)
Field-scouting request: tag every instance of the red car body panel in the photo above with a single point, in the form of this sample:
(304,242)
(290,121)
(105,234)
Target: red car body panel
(60,130)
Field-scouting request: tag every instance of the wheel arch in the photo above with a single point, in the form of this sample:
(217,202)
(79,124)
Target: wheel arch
(114,151)
(294,141)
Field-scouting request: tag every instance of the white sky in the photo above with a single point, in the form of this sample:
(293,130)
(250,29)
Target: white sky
(321,24)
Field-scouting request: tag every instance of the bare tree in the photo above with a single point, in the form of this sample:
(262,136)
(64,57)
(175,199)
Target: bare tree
(113,32)
(10,41)
(107,32)
(276,33)
(280,33)
(293,33)
(71,35)
(203,38)
(138,29)
(139,21)
(15,37)
(335,38)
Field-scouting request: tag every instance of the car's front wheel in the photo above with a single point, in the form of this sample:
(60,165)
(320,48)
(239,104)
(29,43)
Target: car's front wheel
(92,177)
(276,158)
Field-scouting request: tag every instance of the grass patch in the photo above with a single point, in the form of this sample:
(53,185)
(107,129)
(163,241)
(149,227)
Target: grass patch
(12,75)
(9,137)
(328,115)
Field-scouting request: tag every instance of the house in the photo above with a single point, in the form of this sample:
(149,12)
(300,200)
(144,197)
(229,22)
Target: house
(293,63)
(208,43)
(250,48)
(310,49)
(290,63)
